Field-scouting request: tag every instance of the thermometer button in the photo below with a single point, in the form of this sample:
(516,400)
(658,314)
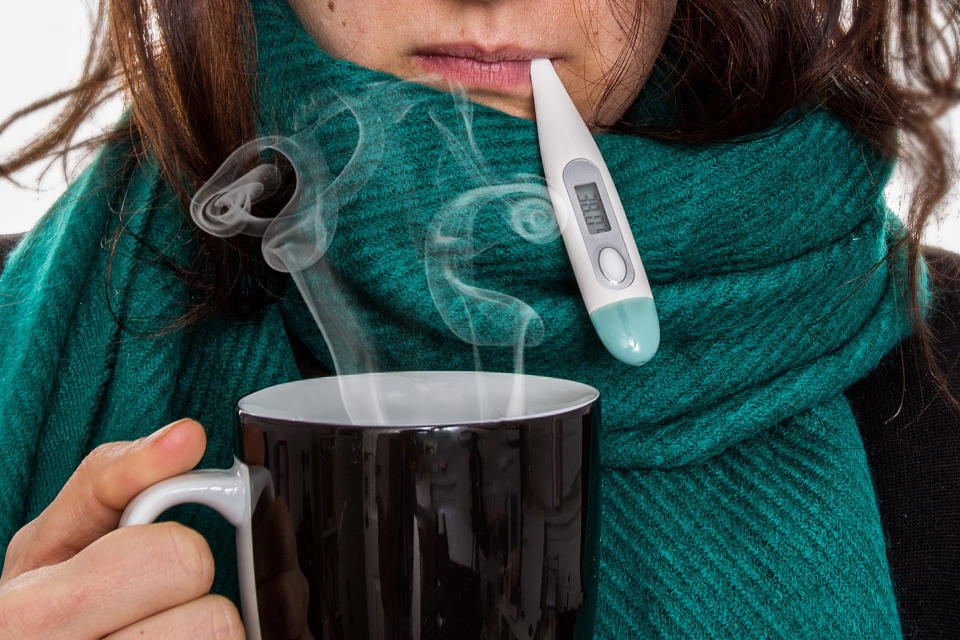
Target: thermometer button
(612,265)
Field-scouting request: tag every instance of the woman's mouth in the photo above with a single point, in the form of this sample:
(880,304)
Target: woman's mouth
(477,68)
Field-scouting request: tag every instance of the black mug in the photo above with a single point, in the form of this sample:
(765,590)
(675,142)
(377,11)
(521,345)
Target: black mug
(407,505)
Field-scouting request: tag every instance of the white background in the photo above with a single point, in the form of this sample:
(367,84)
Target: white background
(42,46)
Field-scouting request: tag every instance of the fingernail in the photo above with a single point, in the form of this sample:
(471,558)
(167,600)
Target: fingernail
(162,431)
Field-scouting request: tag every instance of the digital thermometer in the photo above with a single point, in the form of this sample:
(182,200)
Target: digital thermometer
(593,225)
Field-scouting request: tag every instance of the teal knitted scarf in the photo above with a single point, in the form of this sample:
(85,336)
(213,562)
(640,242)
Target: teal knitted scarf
(735,497)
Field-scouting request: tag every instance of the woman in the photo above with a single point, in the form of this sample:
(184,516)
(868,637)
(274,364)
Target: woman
(736,500)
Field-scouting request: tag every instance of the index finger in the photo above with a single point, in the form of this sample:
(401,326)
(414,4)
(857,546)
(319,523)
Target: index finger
(91,502)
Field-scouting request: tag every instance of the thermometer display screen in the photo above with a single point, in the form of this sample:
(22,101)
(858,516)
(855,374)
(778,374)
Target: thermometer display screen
(592,208)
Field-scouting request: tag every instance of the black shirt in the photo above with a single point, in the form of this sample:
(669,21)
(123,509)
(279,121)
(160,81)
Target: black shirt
(912,439)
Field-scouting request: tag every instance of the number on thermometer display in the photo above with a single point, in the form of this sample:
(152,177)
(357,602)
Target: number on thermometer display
(592,208)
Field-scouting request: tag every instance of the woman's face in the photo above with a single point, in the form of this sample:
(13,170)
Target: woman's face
(486,45)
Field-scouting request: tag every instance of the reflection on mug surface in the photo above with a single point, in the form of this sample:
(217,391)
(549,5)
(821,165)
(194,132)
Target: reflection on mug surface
(473,531)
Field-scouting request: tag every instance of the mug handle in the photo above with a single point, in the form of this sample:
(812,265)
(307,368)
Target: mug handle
(233,493)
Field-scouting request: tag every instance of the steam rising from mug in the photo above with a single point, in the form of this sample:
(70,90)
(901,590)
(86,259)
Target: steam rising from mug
(296,240)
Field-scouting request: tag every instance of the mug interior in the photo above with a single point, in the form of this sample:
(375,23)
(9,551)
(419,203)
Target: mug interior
(418,398)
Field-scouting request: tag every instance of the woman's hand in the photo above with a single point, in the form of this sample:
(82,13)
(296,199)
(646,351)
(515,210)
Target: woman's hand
(70,573)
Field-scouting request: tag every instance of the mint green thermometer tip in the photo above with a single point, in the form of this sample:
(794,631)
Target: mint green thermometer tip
(629,329)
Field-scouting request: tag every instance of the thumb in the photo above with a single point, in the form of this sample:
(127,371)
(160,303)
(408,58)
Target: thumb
(92,501)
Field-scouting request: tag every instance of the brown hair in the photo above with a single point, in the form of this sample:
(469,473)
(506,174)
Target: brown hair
(185,68)
(737,66)
(881,67)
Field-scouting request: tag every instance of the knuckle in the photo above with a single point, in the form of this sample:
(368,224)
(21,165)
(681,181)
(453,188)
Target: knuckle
(221,620)
(18,616)
(75,597)
(16,549)
(187,556)
(99,468)
(102,455)
(36,603)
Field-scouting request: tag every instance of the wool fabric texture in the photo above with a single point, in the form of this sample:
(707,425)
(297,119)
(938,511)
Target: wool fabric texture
(735,498)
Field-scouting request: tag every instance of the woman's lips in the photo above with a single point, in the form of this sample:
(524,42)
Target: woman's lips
(477,68)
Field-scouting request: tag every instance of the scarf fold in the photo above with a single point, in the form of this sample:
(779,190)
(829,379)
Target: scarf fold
(735,497)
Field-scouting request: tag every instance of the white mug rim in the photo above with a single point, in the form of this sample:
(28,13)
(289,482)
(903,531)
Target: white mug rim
(344,401)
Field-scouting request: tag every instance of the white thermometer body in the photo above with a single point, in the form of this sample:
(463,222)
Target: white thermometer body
(593,224)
